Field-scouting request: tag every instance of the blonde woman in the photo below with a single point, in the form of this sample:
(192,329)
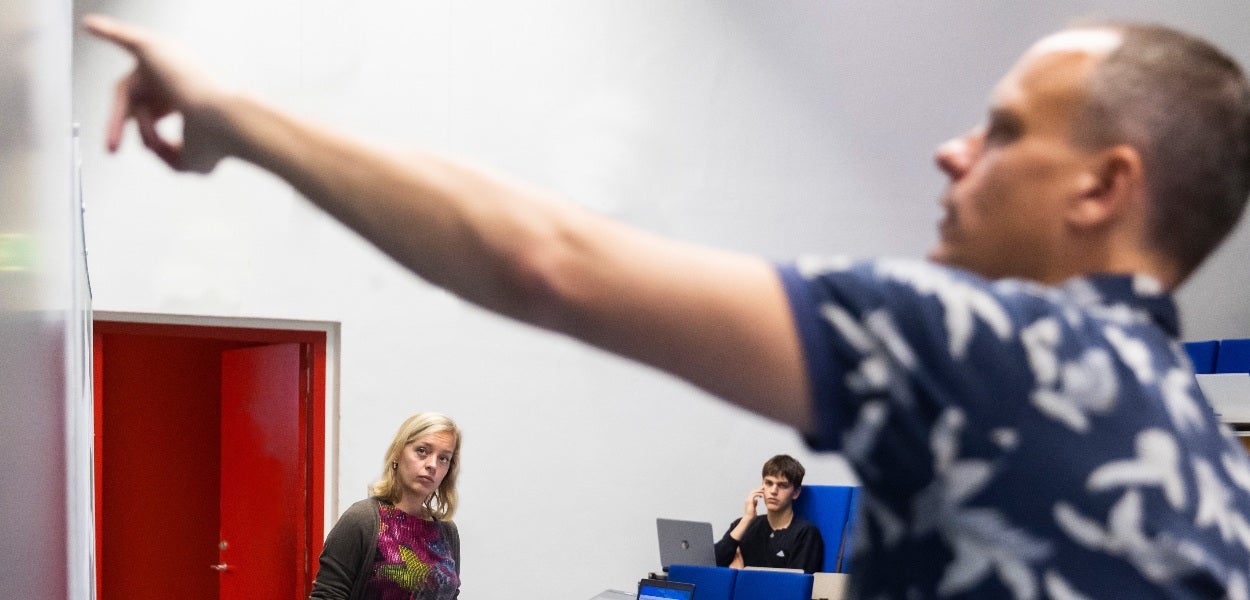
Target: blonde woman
(400,543)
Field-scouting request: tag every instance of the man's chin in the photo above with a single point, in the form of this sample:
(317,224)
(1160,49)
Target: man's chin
(940,254)
(947,257)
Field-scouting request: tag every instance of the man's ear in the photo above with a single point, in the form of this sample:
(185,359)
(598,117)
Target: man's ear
(1112,185)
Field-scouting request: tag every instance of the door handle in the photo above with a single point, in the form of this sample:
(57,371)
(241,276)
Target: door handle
(221,567)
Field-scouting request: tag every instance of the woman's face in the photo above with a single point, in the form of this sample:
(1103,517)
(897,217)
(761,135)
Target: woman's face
(423,464)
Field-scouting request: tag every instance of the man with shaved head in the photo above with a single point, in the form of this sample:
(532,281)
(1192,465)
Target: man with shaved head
(1022,417)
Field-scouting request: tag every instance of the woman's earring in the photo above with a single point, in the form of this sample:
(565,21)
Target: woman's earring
(394,465)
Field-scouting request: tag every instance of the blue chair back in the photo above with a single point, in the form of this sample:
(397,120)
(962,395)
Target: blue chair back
(1203,355)
(832,509)
(770,585)
(1219,356)
(1233,357)
(710,583)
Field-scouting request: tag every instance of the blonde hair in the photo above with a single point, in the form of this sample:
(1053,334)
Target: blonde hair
(442,503)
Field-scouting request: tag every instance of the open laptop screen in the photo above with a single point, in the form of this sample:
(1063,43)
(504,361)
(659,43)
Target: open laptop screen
(685,543)
(654,589)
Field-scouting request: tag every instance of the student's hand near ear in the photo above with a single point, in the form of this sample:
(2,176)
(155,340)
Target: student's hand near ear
(748,513)
(163,82)
(751,509)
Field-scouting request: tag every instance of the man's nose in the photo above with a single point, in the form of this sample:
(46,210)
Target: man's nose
(954,157)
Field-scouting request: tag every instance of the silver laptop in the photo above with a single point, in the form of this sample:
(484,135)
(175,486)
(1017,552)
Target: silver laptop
(685,542)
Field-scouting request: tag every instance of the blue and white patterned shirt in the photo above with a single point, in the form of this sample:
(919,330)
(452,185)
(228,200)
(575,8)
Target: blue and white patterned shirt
(1020,441)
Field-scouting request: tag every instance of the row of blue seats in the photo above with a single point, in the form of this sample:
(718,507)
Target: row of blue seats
(1219,356)
(723,583)
(831,508)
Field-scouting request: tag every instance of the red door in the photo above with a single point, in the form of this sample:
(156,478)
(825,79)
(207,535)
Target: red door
(264,521)
(167,451)
(157,451)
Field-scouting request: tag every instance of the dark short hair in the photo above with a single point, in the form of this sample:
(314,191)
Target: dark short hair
(1184,105)
(786,466)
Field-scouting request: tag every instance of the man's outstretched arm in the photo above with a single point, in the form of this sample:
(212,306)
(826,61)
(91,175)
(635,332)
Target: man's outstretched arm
(717,319)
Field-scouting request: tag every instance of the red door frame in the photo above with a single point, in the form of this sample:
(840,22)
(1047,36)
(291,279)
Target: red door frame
(321,342)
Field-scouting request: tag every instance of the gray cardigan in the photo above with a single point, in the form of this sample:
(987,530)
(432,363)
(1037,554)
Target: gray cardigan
(349,550)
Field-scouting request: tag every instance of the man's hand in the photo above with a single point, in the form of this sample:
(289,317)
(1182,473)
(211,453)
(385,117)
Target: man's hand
(163,82)
(748,514)
(753,499)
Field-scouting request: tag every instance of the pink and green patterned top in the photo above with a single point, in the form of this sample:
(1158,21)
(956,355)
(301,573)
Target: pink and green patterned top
(413,561)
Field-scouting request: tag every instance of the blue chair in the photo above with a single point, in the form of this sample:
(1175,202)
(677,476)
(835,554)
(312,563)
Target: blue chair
(832,509)
(770,585)
(1203,355)
(710,583)
(848,533)
(1233,357)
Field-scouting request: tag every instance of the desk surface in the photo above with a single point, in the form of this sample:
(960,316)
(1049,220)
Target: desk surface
(615,595)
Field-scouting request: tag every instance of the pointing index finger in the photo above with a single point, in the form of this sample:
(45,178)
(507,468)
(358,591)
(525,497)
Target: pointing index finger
(113,31)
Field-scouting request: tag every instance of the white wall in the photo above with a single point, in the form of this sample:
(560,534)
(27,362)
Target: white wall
(765,126)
